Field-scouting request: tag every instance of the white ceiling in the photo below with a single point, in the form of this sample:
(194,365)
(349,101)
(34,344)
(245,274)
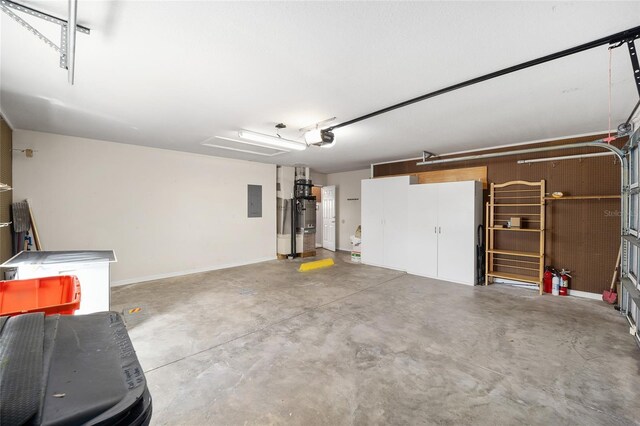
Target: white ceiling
(174,74)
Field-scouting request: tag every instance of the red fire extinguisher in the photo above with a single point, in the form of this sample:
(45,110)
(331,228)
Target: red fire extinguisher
(564,282)
(547,279)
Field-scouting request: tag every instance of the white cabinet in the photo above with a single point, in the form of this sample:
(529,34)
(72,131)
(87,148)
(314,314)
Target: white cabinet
(372,222)
(443,223)
(422,238)
(429,230)
(384,221)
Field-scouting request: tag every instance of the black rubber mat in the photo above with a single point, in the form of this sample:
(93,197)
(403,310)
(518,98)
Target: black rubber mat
(70,370)
(2,321)
(21,348)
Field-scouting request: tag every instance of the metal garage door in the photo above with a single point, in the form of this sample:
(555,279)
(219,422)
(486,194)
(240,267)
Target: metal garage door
(630,292)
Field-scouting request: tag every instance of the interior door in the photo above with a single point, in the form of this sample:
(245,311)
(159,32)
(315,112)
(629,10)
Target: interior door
(372,207)
(422,255)
(329,217)
(319,226)
(456,236)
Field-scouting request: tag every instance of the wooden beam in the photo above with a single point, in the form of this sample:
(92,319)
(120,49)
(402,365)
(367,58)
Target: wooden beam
(450,175)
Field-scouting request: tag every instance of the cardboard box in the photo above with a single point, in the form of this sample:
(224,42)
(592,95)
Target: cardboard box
(515,222)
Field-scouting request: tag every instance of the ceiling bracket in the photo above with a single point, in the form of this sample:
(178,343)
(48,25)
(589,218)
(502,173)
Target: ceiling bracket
(633,54)
(63,47)
(426,155)
(7,5)
(29,28)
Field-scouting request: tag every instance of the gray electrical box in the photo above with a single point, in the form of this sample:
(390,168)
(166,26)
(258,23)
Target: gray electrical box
(254,200)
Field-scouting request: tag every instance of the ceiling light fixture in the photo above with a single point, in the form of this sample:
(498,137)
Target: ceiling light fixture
(272,141)
(250,143)
(248,151)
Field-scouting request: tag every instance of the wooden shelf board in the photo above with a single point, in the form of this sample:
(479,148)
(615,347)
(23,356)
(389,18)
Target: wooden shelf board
(517,205)
(515,277)
(517,182)
(516,229)
(504,259)
(517,197)
(516,253)
(502,265)
(583,197)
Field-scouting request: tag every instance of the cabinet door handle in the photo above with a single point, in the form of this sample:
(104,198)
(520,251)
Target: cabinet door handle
(435,229)
(439,230)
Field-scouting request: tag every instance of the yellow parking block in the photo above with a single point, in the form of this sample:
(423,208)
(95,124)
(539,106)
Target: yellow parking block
(316,264)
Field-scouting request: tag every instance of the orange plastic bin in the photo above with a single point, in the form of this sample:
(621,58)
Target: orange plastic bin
(51,295)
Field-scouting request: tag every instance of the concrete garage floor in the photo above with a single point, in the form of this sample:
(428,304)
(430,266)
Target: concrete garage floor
(353,344)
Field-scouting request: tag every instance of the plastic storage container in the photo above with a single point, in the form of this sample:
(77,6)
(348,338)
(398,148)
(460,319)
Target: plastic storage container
(356,249)
(70,370)
(51,295)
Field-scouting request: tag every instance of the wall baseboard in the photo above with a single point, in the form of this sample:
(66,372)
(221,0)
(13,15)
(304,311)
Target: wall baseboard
(574,293)
(189,272)
(585,294)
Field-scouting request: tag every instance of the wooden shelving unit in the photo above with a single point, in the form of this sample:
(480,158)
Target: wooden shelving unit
(525,200)
(4,188)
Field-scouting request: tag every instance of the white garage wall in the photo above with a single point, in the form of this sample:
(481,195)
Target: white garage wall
(318,179)
(164,213)
(348,211)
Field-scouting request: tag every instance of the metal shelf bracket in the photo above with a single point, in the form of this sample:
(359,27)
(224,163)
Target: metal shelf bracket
(7,5)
